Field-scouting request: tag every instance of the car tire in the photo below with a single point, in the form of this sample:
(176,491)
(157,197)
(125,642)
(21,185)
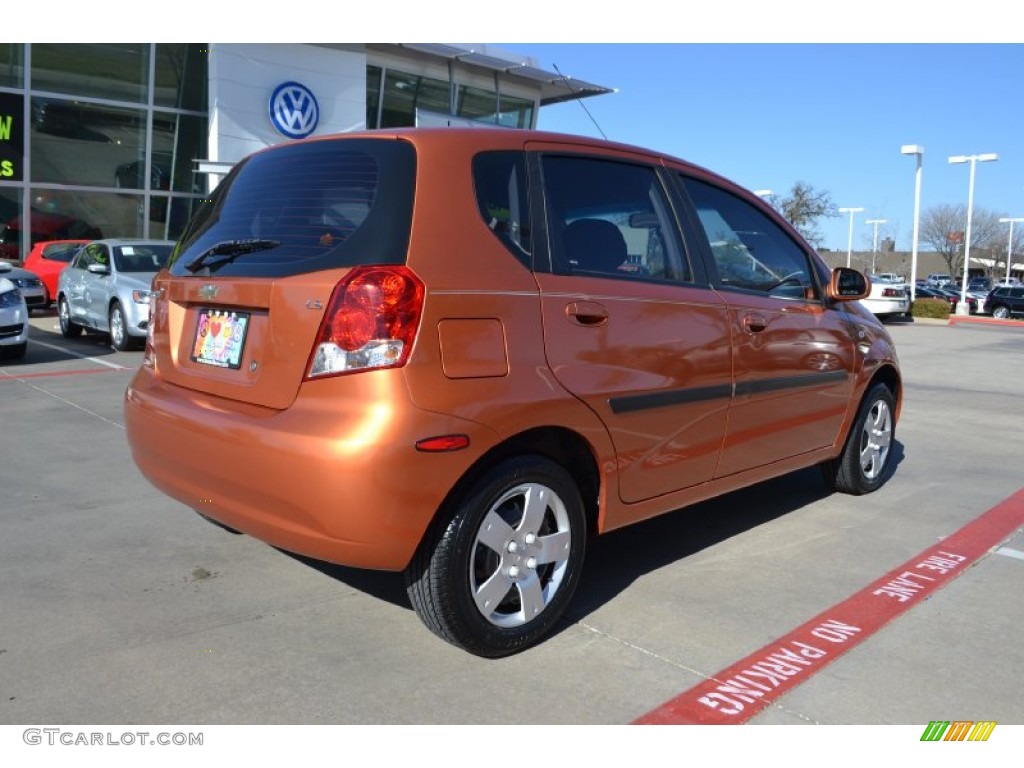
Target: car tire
(867,455)
(119,337)
(500,565)
(68,328)
(1000,312)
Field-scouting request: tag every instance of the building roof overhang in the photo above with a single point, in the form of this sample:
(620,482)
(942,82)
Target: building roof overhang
(554,86)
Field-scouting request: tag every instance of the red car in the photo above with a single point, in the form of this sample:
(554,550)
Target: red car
(48,259)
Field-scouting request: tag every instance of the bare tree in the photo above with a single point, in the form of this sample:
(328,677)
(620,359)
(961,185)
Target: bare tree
(803,207)
(944,228)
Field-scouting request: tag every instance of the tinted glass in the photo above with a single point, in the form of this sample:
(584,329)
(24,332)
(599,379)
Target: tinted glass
(61,252)
(372,95)
(10,224)
(87,144)
(12,65)
(611,219)
(181,75)
(118,71)
(404,94)
(501,195)
(304,207)
(750,251)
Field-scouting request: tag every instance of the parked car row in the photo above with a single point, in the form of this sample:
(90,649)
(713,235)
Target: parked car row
(890,295)
(98,286)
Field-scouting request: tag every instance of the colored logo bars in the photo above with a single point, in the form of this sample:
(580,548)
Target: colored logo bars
(958,730)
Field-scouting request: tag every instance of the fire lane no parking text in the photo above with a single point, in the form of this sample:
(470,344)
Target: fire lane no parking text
(740,691)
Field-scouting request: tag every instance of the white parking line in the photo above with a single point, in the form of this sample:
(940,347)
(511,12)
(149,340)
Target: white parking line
(1010,552)
(115,366)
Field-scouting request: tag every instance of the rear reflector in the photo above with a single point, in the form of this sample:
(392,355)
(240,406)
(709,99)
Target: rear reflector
(443,443)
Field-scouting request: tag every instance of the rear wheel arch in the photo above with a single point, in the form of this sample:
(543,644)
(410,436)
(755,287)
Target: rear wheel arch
(562,446)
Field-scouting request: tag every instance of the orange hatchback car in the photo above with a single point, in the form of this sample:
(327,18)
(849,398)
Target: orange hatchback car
(461,353)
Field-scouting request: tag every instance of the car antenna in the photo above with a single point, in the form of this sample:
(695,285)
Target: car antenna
(566,79)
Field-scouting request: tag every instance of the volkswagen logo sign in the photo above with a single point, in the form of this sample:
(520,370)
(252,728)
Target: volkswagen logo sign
(294,110)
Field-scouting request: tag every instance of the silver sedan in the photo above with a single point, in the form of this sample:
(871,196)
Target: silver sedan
(106,288)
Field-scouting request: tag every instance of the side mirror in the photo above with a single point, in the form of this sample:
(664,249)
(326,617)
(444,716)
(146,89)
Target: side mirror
(848,285)
(99,269)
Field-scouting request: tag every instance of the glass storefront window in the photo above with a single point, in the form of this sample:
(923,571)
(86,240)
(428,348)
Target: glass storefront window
(516,112)
(404,94)
(178,140)
(11,248)
(169,224)
(59,214)
(12,65)
(477,104)
(106,71)
(181,76)
(86,144)
(372,95)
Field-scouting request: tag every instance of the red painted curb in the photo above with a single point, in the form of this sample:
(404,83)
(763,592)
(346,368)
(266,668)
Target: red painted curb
(739,692)
(957,319)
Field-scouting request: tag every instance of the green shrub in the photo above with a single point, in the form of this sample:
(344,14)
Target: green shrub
(936,308)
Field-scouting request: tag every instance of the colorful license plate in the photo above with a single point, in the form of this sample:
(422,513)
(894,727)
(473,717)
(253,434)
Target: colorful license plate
(220,338)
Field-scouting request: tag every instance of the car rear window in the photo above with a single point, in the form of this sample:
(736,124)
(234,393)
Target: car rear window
(61,252)
(305,207)
(141,258)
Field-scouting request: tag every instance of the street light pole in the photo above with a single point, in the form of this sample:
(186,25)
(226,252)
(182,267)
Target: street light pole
(1009,247)
(849,242)
(918,151)
(874,240)
(961,307)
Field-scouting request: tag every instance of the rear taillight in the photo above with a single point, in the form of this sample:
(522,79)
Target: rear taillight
(149,355)
(893,293)
(370,322)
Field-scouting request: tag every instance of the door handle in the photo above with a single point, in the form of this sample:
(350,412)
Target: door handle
(586,313)
(754,322)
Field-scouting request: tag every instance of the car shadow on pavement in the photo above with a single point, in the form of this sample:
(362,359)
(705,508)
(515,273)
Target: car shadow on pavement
(650,545)
(661,541)
(91,344)
(383,585)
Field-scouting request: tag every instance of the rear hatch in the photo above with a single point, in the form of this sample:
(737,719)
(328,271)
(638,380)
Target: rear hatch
(238,310)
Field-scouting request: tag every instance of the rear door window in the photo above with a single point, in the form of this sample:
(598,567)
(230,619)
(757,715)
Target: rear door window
(611,219)
(305,207)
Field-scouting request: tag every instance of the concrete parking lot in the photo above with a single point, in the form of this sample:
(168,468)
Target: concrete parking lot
(120,605)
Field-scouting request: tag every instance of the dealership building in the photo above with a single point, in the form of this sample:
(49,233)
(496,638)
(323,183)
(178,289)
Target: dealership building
(124,140)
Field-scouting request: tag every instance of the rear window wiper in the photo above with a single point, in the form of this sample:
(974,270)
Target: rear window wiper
(229,250)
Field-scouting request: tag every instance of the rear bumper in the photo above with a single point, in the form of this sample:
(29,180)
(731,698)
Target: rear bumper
(336,476)
(888,306)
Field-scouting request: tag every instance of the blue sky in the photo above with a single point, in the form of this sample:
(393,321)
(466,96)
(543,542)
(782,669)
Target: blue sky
(768,115)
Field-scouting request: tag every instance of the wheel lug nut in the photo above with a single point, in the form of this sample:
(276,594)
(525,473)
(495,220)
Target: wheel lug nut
(513,572)
(531,563)
(530,538)
(512,546)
